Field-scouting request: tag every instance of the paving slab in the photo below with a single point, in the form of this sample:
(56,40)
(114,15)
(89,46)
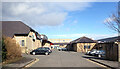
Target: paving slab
(19,64)
(107,63)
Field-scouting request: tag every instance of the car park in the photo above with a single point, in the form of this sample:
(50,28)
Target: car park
(41,50)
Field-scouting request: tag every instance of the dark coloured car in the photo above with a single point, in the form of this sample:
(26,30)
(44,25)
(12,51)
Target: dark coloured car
(48,49)
(40,50)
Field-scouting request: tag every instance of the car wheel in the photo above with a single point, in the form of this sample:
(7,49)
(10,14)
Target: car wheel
(46,53)
(99,56)
(33,53)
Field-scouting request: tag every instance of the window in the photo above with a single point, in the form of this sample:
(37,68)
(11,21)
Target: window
(23,42)
(30,36)
(33,36)
(88,46)
(84,46)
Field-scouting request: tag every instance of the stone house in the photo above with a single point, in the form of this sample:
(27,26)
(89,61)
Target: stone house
(82,44)
(25,36)
(110,46)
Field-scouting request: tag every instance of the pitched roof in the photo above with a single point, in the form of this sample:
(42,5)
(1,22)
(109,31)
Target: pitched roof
(84,40)
(111,39)
(74,41)
(9,28)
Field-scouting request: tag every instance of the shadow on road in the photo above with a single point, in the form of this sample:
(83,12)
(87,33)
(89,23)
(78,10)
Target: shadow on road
(93,57)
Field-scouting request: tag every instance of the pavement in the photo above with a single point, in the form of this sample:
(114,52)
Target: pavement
(19,64)
(102,61)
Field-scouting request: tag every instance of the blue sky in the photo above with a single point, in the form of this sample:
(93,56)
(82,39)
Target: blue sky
(64,20)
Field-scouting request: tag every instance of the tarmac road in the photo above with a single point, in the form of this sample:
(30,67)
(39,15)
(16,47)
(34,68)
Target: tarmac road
(63,59)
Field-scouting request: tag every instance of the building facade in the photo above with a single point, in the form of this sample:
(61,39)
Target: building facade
(82,44)
(26,37)
(110,46)
(59,42)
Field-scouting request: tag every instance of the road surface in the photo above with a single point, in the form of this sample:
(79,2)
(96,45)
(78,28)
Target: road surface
(63,59)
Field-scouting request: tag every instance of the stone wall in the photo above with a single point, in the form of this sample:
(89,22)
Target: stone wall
(47,45)
(75,47)
(80,47)
(111,50)
(29,43)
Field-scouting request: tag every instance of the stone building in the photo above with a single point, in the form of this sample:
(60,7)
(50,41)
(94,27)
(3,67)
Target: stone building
(82,44)
(62,43)
(110,46)
(25,36)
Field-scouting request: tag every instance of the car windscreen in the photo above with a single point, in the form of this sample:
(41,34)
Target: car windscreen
(47,48)
(41,49)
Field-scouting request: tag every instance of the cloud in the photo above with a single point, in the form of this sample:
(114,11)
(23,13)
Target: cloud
(22,8)
(52,19)
(93,36)
(71,6)
(40,14)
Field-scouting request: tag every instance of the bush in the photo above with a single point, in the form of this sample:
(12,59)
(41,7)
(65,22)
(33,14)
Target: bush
(13,49)
(4,51)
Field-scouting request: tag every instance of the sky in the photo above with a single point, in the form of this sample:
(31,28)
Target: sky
(69,20)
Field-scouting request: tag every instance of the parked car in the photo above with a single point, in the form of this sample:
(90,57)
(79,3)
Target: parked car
(48,49)
(40,50)
(87,53)
(59,49)
(93,52)
(62,49)
(100,53)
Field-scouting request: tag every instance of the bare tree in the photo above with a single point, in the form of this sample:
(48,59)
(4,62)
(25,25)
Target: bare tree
(113,22)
